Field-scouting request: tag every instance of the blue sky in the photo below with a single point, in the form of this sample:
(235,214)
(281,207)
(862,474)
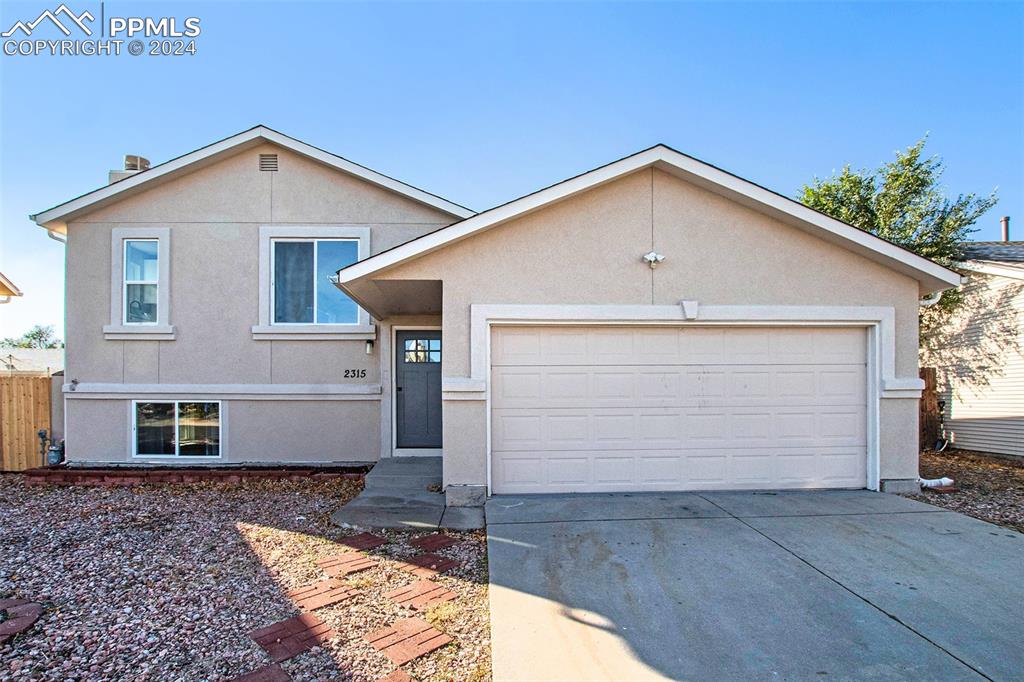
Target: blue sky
(481,103)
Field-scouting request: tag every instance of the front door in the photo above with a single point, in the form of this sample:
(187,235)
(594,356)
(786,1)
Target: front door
(418,388)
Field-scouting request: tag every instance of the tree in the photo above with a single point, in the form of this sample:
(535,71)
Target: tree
(37,337)
(903,202)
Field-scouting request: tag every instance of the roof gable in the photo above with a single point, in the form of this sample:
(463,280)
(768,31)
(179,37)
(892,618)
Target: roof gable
(930,275)
(56,218)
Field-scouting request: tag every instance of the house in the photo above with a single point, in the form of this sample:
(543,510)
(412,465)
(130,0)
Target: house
(31,361)
(7,290)
(654,324)
(979,356)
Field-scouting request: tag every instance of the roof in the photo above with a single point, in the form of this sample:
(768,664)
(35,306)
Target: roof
(930,275)
(7,287)
(56,218)
(1001,252)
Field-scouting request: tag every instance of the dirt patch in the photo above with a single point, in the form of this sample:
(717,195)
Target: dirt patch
(990,488)
(162,582)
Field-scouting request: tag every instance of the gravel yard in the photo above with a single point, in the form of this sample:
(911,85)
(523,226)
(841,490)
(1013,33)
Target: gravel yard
(990,488)
(164,582)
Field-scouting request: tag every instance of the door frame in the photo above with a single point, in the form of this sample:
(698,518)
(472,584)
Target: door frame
(396,451)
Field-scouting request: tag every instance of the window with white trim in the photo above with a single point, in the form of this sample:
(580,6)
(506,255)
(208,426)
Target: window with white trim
(302,290)
(176,428)
(298,299)
(140,284)
(141,281)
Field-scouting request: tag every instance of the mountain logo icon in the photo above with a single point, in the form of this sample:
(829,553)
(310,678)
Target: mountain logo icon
(78,20)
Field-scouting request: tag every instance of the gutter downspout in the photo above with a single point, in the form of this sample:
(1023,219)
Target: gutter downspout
(930,299)
(57,236)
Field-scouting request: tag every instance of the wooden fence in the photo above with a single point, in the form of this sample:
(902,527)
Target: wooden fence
(24,410)
(929,421)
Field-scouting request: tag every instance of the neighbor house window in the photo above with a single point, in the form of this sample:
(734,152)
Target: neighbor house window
(141,281)
(177,429)
(303,292)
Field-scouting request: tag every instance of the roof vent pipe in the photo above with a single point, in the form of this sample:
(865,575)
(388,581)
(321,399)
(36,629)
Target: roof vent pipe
(1005,222)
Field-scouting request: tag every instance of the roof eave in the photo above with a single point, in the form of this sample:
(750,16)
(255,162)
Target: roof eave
(931,276)
(56,218)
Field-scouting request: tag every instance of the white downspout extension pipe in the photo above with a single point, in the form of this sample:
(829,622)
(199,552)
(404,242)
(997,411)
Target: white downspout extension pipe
(930,299)
(57,236)
(935,482)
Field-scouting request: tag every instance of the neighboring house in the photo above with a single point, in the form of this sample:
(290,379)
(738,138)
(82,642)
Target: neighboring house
(7,289)
(654,324)
(980,355)
(42,362)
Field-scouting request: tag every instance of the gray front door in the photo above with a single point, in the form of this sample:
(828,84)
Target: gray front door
(418,388)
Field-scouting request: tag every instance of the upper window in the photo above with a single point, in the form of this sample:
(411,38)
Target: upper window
(140,285)
(302,289)
(298,299)
(141,281)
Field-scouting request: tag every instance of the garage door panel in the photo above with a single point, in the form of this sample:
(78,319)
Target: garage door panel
(673,386)
(667,470)
(645,429)
(512,346)
(614,409)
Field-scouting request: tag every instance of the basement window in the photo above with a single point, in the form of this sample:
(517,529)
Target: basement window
(176,429)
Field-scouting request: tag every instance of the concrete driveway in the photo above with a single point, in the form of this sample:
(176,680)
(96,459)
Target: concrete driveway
(803,585)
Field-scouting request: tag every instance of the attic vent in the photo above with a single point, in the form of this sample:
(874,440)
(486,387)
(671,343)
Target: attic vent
(268,162)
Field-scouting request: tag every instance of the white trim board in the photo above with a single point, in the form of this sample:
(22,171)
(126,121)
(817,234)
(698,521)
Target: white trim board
(930,275)
(103,391)
(879,322)
(56,218)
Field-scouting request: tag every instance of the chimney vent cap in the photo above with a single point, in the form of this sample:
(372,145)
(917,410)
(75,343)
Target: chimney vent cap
(134,162)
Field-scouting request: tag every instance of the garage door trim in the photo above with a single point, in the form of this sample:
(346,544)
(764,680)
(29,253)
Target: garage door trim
(879,322)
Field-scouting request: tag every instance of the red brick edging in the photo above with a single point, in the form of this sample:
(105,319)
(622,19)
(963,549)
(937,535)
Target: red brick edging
(116,476)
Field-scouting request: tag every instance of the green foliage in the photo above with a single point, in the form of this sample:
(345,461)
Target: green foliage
(37,337)
(904,202)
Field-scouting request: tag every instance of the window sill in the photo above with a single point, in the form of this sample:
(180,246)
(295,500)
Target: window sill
(315,332)
(142,332)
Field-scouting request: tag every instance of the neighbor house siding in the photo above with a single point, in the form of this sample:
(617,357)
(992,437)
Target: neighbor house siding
(981,370)
(214,215)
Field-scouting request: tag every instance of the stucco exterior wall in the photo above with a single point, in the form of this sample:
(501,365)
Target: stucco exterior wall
(587,250)
(214,216)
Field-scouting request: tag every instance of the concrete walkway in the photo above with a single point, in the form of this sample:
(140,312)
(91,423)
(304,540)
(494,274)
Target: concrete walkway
(399,493)
(804,586)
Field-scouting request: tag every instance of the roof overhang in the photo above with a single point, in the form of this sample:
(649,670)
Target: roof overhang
(55,219)
(931,276)
(7,288)
(999,269)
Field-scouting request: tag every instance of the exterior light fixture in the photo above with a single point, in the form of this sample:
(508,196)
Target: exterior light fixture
(369,346)
(653,258)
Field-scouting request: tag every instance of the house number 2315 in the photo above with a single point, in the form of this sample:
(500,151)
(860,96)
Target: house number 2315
(355,373)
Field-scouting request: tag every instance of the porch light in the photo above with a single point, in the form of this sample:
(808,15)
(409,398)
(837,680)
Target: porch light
(369,347)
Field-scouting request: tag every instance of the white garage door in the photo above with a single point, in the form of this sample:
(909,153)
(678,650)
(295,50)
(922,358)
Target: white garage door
(588,409)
